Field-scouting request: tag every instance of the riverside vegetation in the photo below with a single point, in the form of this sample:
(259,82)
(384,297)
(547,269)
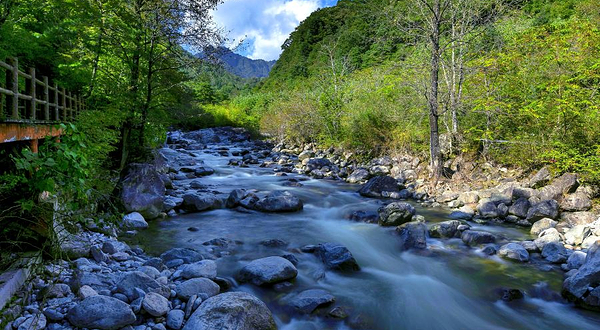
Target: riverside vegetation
(493,114)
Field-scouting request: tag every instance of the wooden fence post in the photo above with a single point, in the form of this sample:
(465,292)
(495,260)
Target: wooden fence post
(12,84)
(64,104)
(56,103)
(31,106)
(46,99)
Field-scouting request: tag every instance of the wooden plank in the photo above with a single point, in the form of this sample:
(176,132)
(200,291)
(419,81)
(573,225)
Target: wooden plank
(6,91)
(64,104)
(12,132)
(6,66)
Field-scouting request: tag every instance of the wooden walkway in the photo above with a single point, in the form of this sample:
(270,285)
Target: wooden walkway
(31,108)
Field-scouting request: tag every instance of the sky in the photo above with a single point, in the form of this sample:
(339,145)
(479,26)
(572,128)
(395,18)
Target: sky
(264,25)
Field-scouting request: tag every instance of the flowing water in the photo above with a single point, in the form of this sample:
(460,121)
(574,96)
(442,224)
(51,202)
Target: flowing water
(448,286)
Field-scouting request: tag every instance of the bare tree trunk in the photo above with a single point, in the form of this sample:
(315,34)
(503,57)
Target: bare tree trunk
(434,134)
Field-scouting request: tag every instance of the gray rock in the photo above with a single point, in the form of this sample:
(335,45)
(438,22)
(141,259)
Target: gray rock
(576,260)
(155,304)
(359,175)
(196,203)
(86,291)
(487,209)
(577,201)
(375,186)
(337,257)
(187,255)
(469,197)
(584,281)
(540,178)
(543,209)
(395,214)
(446,229)
(307,301)
(112,247)
(541,225)
(235,197)
(268,270)
(175,319)
(232,311)
(413,235)
(577,218)
(550,235)
(134,220)
(131,281)
(279,201)
(143,190)
(33,322)
(514,251)
(58,290)
(101,312)
(460,215)
(204,268)
(554,252)
(446,197)
(53,315)
(577,234)
(197,286)
(474,237)
(520,207)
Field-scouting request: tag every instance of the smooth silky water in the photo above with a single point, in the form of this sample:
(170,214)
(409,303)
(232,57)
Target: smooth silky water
(448,286)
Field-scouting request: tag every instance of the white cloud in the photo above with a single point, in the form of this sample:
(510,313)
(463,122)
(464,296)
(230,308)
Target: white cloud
(264,24)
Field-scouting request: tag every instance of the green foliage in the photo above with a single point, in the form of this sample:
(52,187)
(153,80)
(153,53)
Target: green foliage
(530,93)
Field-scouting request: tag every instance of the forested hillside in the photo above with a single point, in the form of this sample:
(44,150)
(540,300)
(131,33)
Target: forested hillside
(517,81)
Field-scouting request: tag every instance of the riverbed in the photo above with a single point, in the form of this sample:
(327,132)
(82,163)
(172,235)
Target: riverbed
(447,286)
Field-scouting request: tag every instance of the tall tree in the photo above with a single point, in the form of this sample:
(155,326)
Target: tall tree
(445,24)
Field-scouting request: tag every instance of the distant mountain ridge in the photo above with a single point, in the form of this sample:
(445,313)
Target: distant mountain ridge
(239,65)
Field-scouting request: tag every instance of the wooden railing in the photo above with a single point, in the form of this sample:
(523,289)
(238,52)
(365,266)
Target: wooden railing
(35,101)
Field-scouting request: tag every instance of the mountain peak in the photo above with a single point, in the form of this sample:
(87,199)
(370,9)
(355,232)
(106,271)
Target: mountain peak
(237,64)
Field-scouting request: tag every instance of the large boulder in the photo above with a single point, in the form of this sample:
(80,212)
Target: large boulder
(268,270)
(541,225)
(577,218)
(550,235)
(143,190)
(475,237)
(540,178)
(583,284)
(359,175)
(231,311)
(555,252)
(577,201)
(520,207)
(543,209)
(196,286)
(279,201)
(446,229)
(337,257)
(101,312)
(514,251)
(317,163)
(375,186)
(155,304)
(395,214)
(196,203)
(187,255)
(134,220)
(413,235)
(307,301)
(204,268)
(487,209)
(131,281)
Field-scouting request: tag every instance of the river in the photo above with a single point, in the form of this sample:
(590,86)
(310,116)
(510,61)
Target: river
(447,286)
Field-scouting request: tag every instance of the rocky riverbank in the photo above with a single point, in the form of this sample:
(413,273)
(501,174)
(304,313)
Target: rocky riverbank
(106,284)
